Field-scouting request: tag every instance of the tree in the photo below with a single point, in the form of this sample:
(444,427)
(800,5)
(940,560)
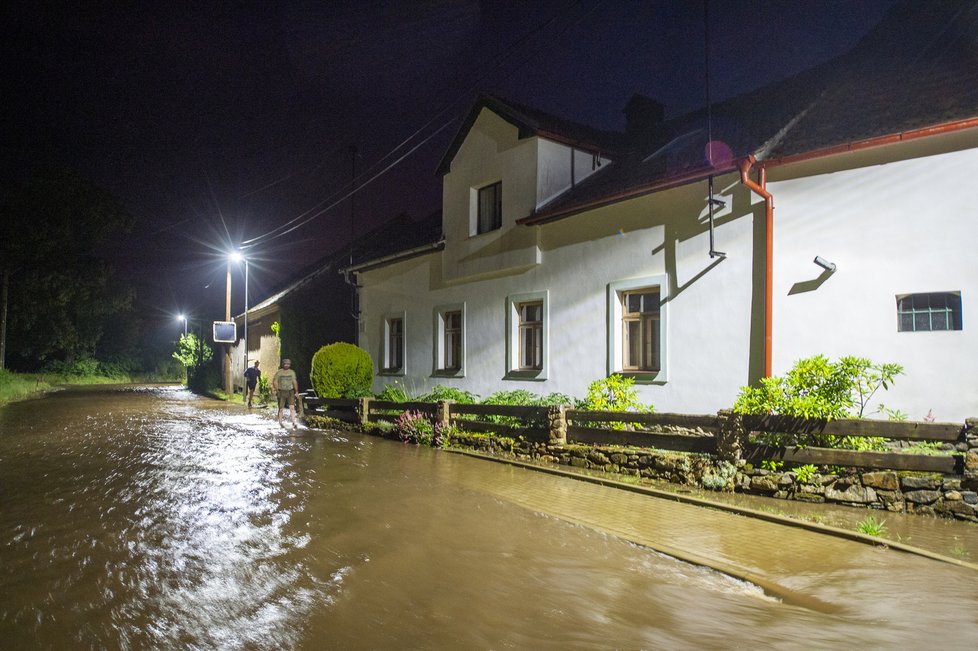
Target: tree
(192,351)
(55,236)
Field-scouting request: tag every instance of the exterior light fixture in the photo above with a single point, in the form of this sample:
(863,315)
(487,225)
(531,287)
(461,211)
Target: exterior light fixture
(824,264)
(237,256)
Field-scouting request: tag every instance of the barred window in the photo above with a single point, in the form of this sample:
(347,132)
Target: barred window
(929,312)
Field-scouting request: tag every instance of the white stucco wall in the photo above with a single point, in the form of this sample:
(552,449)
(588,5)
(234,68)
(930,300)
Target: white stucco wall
(905,227)
(896,228)
(709,304)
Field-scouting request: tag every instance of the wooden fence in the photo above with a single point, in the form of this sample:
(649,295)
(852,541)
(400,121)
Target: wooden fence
(893,430)
(644,430)
(671,432)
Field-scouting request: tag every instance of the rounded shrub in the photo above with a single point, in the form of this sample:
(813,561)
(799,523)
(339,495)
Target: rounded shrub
(341,370)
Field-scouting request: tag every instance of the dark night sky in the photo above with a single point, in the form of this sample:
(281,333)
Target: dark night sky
(218,122)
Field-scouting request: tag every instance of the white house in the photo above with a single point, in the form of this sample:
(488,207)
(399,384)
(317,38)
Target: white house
(844,222)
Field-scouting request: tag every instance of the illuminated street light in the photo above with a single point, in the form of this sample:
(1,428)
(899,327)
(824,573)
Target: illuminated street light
(183,317)
(237,256)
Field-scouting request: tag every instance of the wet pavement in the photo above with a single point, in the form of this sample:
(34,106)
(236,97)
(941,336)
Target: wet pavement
(152,518)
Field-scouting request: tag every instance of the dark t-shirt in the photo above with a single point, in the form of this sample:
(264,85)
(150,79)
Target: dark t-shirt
(252,374)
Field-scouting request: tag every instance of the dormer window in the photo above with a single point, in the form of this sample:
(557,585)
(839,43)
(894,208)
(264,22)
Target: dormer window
(490,215)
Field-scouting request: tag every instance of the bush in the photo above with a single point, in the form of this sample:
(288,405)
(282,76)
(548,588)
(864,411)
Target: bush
(818,388)
(440,392)
(82,367)
(341,370)
(393,393)
(415,427)
(523,398)
(615,393)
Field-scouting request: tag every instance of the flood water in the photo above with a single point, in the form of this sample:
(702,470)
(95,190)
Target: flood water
(150,518)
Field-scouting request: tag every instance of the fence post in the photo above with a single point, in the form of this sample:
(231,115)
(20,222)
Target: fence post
(731,436)
(557,420)
(970,475)
(363,412)
(443,412)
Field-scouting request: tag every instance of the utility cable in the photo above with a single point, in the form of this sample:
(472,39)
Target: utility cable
(317,210)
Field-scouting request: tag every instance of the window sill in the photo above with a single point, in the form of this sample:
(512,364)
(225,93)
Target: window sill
(391,371)
(533,375)
(448,372)
(643,377)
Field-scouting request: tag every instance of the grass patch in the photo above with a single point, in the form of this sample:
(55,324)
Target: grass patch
(871,527)
(21,386)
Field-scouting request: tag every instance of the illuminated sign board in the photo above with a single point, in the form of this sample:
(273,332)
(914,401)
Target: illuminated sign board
(225,332)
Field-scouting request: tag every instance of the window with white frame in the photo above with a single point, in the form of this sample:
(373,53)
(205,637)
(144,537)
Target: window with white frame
(450,339)
(489,208)
(531,335)
(929,312)
(526,341)
(640,329)
(393,353)
(636,327)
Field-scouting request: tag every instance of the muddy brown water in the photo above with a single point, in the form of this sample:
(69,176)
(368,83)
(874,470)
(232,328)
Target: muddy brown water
(146,517)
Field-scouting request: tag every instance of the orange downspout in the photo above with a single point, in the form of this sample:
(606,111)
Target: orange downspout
(761,189)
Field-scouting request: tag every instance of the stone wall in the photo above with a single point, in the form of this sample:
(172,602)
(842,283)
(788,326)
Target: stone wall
(899,491)
(951,496)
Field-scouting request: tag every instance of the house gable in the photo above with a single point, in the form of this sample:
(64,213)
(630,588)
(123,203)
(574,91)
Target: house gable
(527,171)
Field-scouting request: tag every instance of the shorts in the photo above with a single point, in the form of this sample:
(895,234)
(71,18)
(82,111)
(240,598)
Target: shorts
(286,398)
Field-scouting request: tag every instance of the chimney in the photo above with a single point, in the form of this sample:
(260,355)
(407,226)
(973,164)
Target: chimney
(642,116)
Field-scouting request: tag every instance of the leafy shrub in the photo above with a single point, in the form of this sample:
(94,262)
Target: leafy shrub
(444,435)
(871,527)
(441,392)
(518,397)
(522,398)
(192,351)
(415,427)
(383,427)
(393,393)
(78,368)
(820,389)
(805,473)
(340,370)
(264,389)
(614,393)
(556,399)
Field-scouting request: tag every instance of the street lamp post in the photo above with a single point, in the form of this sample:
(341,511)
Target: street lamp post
(236,256)
(227,347)
(183,317)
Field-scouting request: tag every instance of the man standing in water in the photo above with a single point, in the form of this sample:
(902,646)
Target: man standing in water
(287,388)
(251,379)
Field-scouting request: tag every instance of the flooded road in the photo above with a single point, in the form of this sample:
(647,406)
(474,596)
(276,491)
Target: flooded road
(151,518)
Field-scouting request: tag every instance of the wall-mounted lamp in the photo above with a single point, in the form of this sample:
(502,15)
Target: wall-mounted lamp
(824,264)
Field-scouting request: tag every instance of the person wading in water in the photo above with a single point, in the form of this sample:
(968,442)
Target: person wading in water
(287,389)
(251,379)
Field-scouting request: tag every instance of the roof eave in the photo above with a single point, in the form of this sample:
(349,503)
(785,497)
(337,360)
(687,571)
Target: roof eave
(632,193)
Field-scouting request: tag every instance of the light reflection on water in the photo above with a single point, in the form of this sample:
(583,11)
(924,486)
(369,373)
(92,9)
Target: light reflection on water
(134,519)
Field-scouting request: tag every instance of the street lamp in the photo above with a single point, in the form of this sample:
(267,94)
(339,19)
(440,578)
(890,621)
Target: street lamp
(237,256)
(183,317)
